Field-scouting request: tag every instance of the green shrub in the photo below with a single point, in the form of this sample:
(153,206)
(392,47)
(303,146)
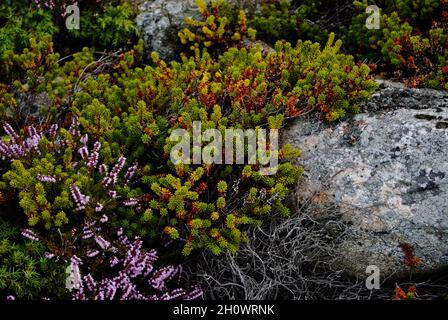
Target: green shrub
(411,42)
(421,11)
(292,21)
(114,27)
(85,135)
(220,29)
(47,175)
(105,24)
(25,272)
(17,25)
(35,73)
(132,112)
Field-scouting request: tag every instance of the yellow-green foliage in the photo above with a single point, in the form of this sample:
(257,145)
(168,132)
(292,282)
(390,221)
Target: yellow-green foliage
(85,135)
(410,43)
(218,30)
(132,109)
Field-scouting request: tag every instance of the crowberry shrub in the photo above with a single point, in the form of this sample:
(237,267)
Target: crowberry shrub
(219,29)
(410,44)
(126,117)
(294,20)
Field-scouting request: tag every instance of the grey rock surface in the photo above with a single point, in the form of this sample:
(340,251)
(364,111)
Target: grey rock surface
(387,173)
(160,21)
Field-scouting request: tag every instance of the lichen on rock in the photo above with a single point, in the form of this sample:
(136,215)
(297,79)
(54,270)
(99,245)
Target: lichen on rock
(387,172)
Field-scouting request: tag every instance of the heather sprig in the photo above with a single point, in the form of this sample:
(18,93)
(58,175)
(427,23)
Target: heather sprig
(16,147)
(133,273)
(60,182)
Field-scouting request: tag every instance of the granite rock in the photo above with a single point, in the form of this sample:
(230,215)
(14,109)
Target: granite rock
(386,172)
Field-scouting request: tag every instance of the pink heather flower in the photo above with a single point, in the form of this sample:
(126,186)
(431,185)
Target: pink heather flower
(87,234)
(103,169)
(32,143)
(10,297)
(15,149)
(130,202)
(104,219)
(80,199)
(99,207)
(130,174)
(92,253)
(27,233)
(75,260)
(49,255)
(32,131)
(114,261)
(10,132)
(87,230)
(84,139)
(174,295)
(135,269)
(74,128)
(75,272)
(4,150)
(93,160)
(84,152)
(80,295)
(107,181)
(90,282)
(53,130)
(113,194)
(109,291)
(47,179)
(112,177)
(97,146)
(46,4)
(129,290)
(194,294)
(104,244)
(163,275)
